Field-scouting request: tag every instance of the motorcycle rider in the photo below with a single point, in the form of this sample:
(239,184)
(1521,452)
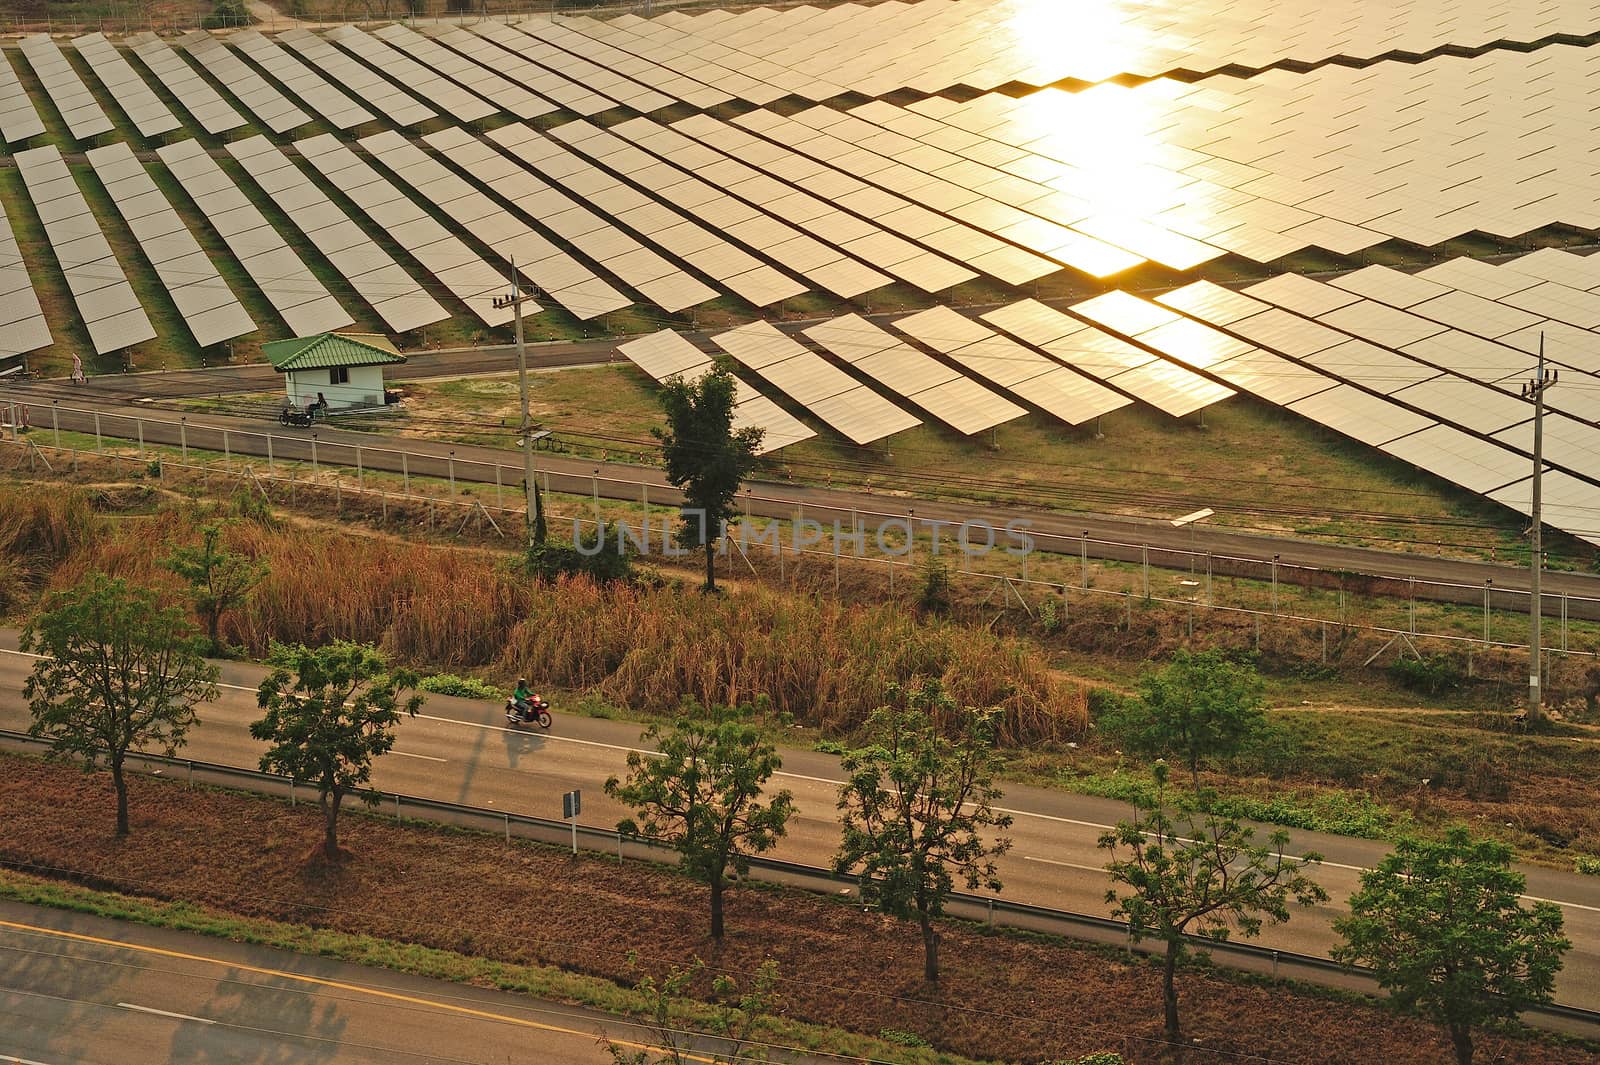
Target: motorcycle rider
(522,699)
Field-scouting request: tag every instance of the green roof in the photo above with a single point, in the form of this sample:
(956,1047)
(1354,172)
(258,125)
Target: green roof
(331,349)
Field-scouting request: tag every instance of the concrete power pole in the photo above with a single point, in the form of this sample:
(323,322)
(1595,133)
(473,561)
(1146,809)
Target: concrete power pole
(525,431)
(1535,390)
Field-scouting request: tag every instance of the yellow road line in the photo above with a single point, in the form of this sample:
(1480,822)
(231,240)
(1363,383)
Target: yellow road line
(338,985)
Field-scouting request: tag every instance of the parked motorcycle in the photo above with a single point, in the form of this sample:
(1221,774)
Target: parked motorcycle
(531,711)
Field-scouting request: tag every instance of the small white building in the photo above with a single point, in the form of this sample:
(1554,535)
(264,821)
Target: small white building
(344,369)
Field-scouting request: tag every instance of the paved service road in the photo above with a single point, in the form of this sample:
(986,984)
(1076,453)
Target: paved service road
(80,990)
(460,751)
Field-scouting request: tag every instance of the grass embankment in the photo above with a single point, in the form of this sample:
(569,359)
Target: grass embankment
(433,895)
(1258,466)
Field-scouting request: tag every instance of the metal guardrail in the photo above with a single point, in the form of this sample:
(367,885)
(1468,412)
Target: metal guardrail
(987,909)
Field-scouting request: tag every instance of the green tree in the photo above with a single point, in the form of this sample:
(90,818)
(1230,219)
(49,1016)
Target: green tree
(118,671)
(1443,926)
(330,712)
(699,796)
(737,1018)
(1205,878)
(1200,707)
(916,806)
(706,457)
(219,580)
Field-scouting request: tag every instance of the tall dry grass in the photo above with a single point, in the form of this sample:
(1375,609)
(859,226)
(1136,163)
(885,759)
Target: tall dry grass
(824,662)
(40,527)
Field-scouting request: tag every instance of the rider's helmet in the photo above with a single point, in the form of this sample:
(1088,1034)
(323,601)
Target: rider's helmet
(521,683)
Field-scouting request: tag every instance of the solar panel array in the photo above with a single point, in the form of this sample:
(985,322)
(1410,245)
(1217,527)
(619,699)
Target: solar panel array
(1092,351)
(852,408)
(277,269)
(701,246)
(567,281)
(273,109)
(615,251)
(643,72)
(805,193)
(497,47)
(210,310)
(19,119)
(506,95)
(312,89)
(73,100)
(372,272)
(214,114)
(762,54)
(456,266)
(450,98)
(958,401)
(665,355)
(23,327)
(138,101)
(106,302)
(539,42)
(1022,371)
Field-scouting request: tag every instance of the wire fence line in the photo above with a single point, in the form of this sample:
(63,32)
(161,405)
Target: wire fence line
(1058,574)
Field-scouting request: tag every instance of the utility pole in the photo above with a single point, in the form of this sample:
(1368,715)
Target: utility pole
(535,514)
(1535,390)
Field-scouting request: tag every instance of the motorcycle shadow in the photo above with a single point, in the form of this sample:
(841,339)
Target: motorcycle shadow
(519,741)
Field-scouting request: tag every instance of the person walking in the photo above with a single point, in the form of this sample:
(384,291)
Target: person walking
(77,369)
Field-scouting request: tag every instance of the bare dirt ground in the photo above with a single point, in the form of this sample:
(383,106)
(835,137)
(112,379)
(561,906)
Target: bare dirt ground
(1021,999)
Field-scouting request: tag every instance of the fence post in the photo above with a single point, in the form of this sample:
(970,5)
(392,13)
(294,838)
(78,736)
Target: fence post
(499,490)
(1488,583)
(1144,555)
(183,437)
(272,468)
(361,477)
(508,827)
(55,421)
(1274,598)
(1083,557)
(405,473)
(594,492)
(98,445)
(313,457)
(450,469)
(1208,579)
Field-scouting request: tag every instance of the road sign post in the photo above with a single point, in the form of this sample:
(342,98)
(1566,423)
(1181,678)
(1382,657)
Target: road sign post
(571,806)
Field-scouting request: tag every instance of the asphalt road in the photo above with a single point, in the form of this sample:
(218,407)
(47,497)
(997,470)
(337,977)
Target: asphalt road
(82,990)
(460,751)
(1111,537)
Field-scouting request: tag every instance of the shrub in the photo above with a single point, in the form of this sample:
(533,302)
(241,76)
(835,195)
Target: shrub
(1587,865)
(935,595)
(1430,674)
(902,1038)
(601,558)
(460,687)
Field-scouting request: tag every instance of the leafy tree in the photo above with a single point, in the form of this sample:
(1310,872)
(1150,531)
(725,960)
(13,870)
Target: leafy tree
(330,712)
(118,671)
(1443,926)
(699,796)
(733,1027)
(1206,878)
(916,805)
(1201,706)
(706,457)
(226,14)
(219,580)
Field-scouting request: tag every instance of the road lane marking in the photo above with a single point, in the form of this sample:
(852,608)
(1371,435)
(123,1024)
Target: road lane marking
(1069,865)
(337,985)
(9,1060)
(426,757)
(164,1013)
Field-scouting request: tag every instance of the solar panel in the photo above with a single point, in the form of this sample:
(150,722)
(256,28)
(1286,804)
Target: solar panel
(401,302)
(183,267)
(509,58)
(665,355)
(312,89)
(853,409)
(472,281)
(214,114)
(269,105)
(106,302)
(76,104)
(565,280)
(18,119)
(23,327)
(378,52)
(138,101)
(276,269)
(958,401)
(1024,372)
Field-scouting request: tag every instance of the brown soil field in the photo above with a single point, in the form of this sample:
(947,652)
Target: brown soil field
(1001,996)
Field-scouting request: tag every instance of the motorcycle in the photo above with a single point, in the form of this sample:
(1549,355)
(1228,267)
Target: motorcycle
(532,711)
